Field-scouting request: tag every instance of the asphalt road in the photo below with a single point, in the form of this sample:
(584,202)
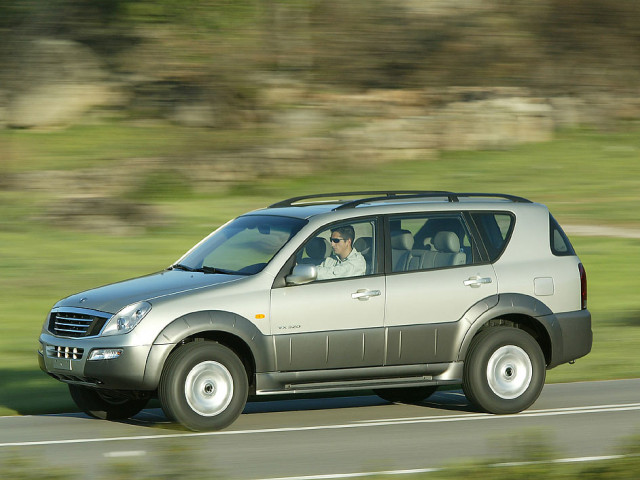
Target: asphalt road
(335,436)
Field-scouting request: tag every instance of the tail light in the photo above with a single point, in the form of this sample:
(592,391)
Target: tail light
(583,285)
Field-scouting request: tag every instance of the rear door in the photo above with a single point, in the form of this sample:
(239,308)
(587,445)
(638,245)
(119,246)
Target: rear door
(436,272)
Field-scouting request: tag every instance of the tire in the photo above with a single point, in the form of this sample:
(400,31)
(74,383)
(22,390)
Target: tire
(104,405)
(203,386)
(504,370)
(406,394)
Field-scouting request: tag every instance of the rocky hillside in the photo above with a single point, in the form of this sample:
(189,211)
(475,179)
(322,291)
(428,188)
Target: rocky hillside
(359,81)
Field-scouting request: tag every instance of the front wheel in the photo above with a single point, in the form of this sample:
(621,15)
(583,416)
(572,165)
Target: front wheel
(104,405)
(203,386)
(504,371)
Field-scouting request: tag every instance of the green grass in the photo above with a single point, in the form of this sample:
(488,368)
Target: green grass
(584,177)
(84,146)
(613,301)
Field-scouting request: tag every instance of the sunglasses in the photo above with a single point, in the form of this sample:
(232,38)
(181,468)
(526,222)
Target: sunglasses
(336,240)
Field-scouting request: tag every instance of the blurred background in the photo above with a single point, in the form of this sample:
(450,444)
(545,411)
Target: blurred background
(130,129)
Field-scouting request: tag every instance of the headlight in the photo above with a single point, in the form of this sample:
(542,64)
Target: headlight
(126,319)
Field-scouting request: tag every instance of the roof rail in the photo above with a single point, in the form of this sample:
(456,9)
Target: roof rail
(451,197)
(379,196)
(337,197)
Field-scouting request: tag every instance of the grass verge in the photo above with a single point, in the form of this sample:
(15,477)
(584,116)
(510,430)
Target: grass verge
(584,177)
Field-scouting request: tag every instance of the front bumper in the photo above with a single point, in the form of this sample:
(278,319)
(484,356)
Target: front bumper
(65,359)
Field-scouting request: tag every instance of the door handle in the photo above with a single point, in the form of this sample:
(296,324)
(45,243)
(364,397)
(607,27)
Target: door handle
(365,294)
(476,282)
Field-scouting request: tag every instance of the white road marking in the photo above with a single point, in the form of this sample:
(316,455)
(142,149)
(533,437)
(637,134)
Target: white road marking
(358,474)
(131,453)
(562,460)
(432,470)
(360,424)
(528,413)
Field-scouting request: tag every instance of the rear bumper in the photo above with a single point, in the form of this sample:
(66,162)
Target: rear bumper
(576,337)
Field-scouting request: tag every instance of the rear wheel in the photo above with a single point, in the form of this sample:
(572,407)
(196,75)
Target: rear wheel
(504,371)
(406,394)
(203,386)
(105,405)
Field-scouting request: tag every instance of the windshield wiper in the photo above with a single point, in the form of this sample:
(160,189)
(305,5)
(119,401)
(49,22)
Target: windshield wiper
(179,266)
(204,269)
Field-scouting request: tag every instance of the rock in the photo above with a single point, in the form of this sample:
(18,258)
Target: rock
(101,214)
(54,84)
(195,115)
(494,123)
(568,112)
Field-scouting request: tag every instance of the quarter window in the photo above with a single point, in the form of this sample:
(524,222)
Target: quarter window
(560,244)
(495,229)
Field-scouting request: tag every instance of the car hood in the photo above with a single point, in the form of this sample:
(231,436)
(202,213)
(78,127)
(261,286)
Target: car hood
(112,298)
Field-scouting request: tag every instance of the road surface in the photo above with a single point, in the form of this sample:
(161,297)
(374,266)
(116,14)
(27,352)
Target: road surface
(335,436)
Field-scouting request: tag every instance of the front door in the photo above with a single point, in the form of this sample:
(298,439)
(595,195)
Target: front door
(336,322)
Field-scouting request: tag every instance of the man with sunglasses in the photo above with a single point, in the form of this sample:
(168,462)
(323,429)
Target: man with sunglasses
(346,261)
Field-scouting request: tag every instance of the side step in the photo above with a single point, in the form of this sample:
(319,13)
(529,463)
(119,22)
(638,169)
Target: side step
(306,382)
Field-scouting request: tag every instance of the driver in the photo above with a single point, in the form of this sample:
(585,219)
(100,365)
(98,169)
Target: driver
(346,261)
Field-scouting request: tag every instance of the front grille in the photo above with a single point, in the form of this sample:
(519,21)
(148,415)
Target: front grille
(77,322)
(73,353)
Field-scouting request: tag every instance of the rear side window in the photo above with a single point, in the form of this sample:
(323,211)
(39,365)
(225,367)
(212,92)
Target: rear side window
(495,229)
(560,244)
(426,242)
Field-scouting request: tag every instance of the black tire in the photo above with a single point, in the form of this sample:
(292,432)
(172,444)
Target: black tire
(504,370)
(203,386)
(406,394)
(104,405)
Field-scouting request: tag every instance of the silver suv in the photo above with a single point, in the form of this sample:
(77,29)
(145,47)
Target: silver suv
(396,292)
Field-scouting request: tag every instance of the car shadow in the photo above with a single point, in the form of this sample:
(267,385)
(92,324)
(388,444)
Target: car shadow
(39,395)
(448,400)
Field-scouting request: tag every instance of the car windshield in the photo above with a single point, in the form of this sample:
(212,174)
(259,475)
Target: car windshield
(243,246)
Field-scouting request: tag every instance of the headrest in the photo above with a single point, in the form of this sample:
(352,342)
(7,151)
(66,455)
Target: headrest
(401,240)
(447,242)
(363,245)
(318,248)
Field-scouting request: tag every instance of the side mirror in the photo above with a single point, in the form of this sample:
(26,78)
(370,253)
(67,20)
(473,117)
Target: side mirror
(302,274)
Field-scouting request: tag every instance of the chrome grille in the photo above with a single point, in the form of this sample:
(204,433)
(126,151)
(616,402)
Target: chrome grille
(73,353)
(76,322)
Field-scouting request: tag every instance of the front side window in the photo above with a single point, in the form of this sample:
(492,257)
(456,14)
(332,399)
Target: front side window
(243,246)
(424,242)
(342,250)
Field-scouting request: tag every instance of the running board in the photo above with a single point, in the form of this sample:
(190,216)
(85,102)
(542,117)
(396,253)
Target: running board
(306,382)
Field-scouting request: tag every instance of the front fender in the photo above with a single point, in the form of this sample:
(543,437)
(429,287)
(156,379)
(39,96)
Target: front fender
(196,323)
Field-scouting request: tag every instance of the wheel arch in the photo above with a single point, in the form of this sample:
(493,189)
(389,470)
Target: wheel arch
(523,312)
(233,331)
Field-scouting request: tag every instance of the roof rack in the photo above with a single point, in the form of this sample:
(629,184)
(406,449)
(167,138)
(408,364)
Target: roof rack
(337,197)
(379,196)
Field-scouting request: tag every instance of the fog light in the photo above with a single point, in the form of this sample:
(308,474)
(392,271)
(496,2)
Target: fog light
(105,354)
